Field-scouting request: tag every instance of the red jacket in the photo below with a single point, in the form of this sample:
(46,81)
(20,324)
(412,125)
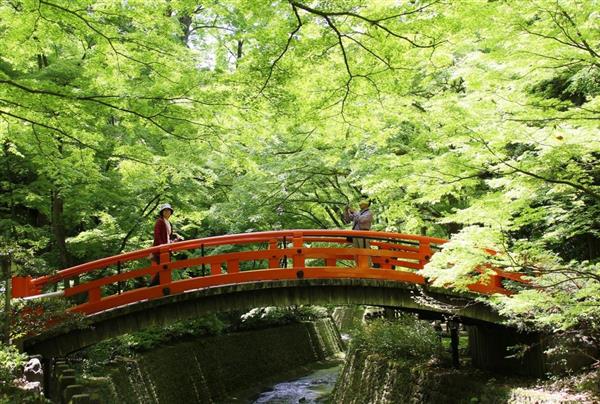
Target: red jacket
(160,232)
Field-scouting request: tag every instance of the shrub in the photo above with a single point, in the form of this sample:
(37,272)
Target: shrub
(11,364)
(30,317)
(404,338)
(126,345)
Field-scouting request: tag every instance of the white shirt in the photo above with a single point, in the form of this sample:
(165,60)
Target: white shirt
(168,226)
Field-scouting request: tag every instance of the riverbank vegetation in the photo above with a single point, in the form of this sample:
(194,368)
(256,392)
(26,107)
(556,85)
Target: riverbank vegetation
(406,338)
(475,121)
(409,360)
(11,364)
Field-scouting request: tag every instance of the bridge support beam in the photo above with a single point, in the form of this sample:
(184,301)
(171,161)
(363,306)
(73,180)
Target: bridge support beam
(454,340)
(505,350)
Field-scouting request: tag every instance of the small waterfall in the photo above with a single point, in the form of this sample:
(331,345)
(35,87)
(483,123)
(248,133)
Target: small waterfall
(139,383)
(199,383)
(314,341)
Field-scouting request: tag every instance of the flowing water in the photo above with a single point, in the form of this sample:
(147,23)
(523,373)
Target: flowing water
(314,388)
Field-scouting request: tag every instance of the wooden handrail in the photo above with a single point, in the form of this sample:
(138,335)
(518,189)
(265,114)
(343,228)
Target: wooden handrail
(313,254)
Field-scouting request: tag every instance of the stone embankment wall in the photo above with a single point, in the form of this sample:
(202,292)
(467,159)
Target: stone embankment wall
(213,369)
(348,318)
(63,386)
(370,378)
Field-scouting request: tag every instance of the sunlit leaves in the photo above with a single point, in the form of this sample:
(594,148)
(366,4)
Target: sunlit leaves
(480,116)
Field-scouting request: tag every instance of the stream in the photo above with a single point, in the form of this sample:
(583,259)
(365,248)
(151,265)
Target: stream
(313,388)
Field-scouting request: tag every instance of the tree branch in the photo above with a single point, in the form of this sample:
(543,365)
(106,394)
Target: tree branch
(374,22)
(98,100)
(285,49)
(504,161)
(143,215)
(65,134)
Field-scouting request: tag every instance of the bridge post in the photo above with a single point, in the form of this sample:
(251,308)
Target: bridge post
(362,261)
(233,266)
(283,261)
(425,252)
(298,244)
(495,282)
(454,326)
(273,261)
(164,275)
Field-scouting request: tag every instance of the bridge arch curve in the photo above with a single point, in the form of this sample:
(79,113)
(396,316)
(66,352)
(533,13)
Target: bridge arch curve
(171,308)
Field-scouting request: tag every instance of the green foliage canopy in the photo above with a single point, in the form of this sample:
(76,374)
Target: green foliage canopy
(476,121)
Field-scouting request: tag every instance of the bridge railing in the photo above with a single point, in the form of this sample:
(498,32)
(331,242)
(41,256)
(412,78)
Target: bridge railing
(265,256)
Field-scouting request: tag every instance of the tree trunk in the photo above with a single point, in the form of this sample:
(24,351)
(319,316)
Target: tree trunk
(240,45)
(5,266)
(58,229)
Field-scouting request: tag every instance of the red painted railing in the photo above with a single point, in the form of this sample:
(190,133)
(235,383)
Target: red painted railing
(231,259)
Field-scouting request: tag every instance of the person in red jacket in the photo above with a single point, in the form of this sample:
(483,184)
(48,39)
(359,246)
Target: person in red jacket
(163,232)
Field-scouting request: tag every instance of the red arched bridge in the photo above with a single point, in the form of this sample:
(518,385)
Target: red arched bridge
(313,266)
(232,259)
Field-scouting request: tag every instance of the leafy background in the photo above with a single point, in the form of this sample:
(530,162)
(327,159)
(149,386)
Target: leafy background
(476,121)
